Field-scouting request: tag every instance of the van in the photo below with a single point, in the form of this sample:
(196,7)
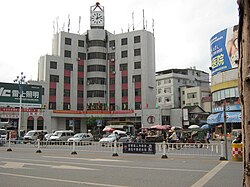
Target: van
(62,135)
(33,135)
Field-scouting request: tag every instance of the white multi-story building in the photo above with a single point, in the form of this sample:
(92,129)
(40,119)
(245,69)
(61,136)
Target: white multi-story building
(170,82)
(111,76)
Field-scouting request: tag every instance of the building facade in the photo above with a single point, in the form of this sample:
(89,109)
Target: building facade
(97,74)
(224,81)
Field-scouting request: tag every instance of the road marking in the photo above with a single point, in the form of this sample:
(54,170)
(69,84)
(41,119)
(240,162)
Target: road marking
(210,174)
(62,180)
(18,165)
(89,159)
(112,166)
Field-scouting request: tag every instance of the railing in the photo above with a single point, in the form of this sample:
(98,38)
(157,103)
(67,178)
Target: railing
(199,149)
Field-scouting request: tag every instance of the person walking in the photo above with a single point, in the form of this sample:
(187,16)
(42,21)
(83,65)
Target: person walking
(208,137)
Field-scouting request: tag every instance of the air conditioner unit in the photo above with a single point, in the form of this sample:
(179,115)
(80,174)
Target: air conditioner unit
(113,47)
(112,59)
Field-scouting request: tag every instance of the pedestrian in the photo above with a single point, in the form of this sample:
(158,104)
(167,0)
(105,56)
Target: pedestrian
(208,137)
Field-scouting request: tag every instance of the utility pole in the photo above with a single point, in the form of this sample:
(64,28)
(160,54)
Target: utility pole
(244,82)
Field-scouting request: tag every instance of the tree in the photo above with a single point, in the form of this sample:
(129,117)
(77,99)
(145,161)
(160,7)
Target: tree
(244,82)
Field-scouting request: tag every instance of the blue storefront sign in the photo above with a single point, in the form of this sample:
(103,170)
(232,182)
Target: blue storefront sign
(143,148)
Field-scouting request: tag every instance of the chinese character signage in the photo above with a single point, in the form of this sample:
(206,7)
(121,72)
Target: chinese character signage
(224,50)
(10,95)
(145,148)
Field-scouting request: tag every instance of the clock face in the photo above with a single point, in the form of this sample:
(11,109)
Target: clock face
(97,18)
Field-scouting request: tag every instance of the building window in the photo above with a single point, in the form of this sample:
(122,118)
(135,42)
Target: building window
(137,78)
(167,99)
(124,41)
(137,105)
(52,105)
(96,80)
(191,95)
(123,67)
(52,92)
(137,52)
(80,106)
(67,80)
(124,93)
(67,41)
(167,90)
(54,78)
(95,93)
(137,65)
(81,56)
(111,56)
(68,66)
(137,39)
(124,106)
(159,82)
(80,81)
(53,65)
(97,55)
(137,92)
(67,54)
(159,90)
(112,94)
(100,68)
(96,43)
(66,93)
(80,43)
(124,54)
(112,43)
(80,93)
(112,81)
(66,106)
(80,68)
(124,80)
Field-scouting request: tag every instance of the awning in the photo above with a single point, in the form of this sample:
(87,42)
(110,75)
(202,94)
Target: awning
(214,118)
(231,117)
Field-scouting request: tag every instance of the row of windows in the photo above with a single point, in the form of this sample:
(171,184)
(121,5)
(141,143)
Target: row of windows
(165,90)
(124,67)
(95,93)
(96,80)
(68,41)
(124,41)
(135,78)
(101,43)
(164,99)
(192,95)
(137,52)
(226,93)
(183,81)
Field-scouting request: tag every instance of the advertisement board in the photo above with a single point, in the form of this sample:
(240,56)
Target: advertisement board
(224,50)
(10,95)
(143,148)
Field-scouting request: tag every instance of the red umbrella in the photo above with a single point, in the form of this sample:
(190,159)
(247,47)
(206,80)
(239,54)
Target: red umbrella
(108,129)
(160,127)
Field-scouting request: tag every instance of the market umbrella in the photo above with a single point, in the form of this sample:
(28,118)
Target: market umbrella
(108,129)
(159,127)
(175,128)
(206,126)
(194,127)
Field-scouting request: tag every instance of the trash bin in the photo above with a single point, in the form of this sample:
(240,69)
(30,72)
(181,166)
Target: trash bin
(237,150)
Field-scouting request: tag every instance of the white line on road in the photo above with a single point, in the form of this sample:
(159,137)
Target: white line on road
(113,166)
(61,180)
(210,174)
(89,159)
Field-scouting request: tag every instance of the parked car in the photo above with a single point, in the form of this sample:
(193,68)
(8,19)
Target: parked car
(122,137)
(3,136)
(32,135)
(79,137)
(62,135)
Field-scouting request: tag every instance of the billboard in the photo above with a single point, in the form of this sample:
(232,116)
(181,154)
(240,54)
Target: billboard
(10,95)
(224,50)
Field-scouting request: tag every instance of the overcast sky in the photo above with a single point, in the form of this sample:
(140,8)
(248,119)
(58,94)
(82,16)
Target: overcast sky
(183,29)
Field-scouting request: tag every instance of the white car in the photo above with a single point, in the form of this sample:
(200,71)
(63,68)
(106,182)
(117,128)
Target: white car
(81,137)
(112,137)
(62,135)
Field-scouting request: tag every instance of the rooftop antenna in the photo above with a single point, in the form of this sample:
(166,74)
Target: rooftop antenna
(153,26)
(128,27)
(133,21)
(57,27)
(143,19)
(54,29)
(68,23)
(63,27)
(79,26)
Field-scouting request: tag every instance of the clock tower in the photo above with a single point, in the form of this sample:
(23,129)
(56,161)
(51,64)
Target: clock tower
(97,16)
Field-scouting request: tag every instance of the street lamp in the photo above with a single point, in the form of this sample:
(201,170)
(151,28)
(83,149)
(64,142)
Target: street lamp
(20,80)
